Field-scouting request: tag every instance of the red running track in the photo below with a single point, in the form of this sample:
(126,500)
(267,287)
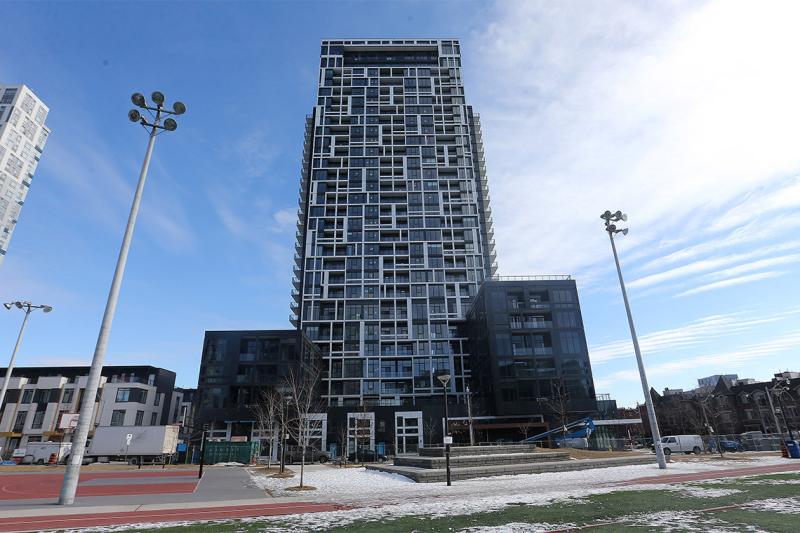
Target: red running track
(39,523)
(714,474)
(45,485)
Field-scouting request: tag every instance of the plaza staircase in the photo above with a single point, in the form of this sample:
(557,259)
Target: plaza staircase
(467,462)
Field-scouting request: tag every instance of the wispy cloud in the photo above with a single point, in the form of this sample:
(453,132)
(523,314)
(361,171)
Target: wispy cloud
(698,332)
(714,360)
(739,280)
(706,265)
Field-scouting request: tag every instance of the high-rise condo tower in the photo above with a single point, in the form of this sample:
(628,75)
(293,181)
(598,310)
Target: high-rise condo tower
(394,232)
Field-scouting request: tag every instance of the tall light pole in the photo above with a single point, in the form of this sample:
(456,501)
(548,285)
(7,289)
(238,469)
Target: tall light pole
(28,308)
(469,416)
(70,485)
(444,378)
(612,230)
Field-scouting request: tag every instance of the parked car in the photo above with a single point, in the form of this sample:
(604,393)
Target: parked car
(682,443)
(313,455)
(726,445)
(367,456)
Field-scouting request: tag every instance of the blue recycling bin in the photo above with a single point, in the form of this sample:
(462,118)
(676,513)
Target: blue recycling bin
(793,446)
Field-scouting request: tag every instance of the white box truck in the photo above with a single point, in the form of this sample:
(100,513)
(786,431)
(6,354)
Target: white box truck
(40,453)
(132,443)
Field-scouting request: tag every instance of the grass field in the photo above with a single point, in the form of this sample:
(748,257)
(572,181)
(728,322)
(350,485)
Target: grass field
(760,503)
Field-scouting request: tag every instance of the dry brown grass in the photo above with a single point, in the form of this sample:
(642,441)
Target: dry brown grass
(594,454)
(303,488)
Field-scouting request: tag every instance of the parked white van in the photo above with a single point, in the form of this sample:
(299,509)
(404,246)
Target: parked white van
(682,443)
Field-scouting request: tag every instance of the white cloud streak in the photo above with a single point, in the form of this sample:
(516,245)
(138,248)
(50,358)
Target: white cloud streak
(698,332)
(731,282)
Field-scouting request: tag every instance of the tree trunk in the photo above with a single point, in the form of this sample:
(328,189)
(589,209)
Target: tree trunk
(302,463)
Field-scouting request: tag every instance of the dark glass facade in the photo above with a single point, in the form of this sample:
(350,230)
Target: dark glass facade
(237,365)
(527,341)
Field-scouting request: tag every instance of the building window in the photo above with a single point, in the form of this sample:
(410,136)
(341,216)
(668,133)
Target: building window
(158,399)
(153,419)
(27,396)
(139,418)
(38,419)
(570,342)
(8,96)
(131,395)
(19,423)
(118,417)
(68,395)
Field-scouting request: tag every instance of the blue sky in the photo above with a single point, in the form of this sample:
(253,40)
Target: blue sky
(682,114)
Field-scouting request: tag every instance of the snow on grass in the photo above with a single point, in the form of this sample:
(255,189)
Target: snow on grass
(776,505)
(361,486)
(383,496)
(700,492)
(518,527)
(682,522)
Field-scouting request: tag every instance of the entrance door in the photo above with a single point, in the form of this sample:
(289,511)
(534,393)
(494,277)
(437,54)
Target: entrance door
(408,431)
(360,431)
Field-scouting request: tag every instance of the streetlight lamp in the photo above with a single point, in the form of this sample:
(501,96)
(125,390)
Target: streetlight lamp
(70,485)
(444,378)
(612,230)
(28,308)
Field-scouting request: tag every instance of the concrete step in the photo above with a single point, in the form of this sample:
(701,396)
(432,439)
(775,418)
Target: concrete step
(478,450)
(480,460)
(426,475)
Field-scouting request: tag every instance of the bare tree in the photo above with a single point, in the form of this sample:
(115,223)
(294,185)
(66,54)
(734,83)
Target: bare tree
(266,411)
(558,403)
(363,431)
(524,429)
(430,425)
(302,385)
(344,436)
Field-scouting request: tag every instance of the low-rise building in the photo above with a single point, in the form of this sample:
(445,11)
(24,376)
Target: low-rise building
(42,402)
(732,407)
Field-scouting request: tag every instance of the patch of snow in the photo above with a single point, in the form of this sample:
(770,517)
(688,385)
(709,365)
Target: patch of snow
(518,527)
(683,522)
(700,492)
(776,505)
(230,463)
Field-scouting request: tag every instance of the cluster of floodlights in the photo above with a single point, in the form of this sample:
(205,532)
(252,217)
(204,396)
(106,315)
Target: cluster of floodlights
(28,305)
(158,99)
(610,217)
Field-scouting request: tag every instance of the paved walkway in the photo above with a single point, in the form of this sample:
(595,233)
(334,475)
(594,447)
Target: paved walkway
(28,501)
(714,474)
(139,487)
(152,513)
